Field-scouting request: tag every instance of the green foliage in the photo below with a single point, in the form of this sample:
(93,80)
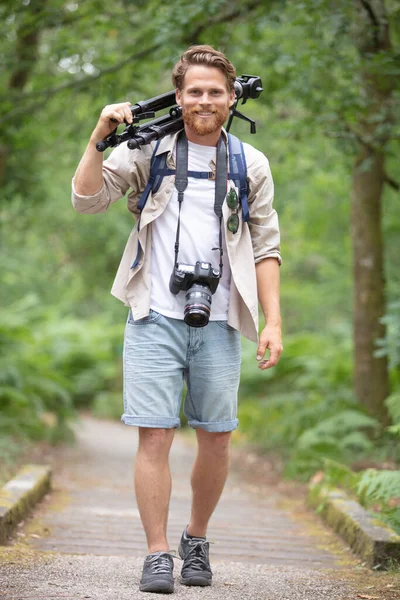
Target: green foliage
(29,385)
(107,404)
(53,364)
(393,406)
(390,347)
(304,407)
(337,474)
(379,486)
(377,490)
(380,492)
(11,449)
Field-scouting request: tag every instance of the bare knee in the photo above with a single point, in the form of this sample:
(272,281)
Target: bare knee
(155,442)
(214,442)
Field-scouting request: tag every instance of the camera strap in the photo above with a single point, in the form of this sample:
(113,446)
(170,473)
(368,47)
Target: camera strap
(181,182)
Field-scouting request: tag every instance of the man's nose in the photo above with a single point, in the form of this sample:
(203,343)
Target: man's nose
(205,98)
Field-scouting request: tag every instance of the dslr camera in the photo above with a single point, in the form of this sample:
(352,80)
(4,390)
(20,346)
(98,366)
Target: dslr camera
(199,282)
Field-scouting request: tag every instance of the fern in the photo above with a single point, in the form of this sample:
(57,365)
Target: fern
(51,364)
(381,488)
(393,405)
(338,474)
(378,486)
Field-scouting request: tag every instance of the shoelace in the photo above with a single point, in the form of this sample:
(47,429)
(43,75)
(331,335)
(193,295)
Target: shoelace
(197,555)
(160,562)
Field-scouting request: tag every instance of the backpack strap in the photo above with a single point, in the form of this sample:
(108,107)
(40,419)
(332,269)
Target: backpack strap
(157,163)
(238,172)
(157,171)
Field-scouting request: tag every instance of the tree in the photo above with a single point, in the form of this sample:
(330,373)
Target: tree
(373,131)
(339,60)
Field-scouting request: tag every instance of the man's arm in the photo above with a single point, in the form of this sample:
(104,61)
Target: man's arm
(88,179)
(268,279)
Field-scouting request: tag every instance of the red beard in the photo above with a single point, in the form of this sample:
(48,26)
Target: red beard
(204,126)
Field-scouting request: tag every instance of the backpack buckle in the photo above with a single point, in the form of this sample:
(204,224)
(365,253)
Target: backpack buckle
(211,176)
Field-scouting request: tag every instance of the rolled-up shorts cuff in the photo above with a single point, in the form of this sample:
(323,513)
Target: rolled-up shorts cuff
(215,426)
(156,422)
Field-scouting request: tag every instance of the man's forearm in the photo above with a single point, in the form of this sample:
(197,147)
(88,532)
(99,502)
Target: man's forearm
(88,178)
(268,285)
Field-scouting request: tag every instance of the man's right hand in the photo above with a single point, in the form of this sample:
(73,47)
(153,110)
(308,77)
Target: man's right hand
(111,116)
(88,179)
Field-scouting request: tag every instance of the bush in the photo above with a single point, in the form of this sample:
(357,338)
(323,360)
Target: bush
(53,365)
(305,408)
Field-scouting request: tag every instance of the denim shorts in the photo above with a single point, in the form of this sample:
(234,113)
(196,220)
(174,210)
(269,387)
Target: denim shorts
(161,353)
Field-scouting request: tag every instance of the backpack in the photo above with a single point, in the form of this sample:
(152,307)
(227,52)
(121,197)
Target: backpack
(237,173)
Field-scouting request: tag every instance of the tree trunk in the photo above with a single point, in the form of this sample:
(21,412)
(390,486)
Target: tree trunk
(371,377)
(26,49)
(370,373)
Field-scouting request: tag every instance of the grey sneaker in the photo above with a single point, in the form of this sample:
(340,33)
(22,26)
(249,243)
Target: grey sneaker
(157,573)
(196,568)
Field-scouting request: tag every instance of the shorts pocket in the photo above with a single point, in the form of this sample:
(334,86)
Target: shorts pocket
(153,317)
(224,325)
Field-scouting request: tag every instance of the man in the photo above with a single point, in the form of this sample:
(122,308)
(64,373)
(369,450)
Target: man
(161,350)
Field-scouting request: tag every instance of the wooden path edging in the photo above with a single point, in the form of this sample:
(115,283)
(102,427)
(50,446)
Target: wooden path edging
(372,540)
(19,495)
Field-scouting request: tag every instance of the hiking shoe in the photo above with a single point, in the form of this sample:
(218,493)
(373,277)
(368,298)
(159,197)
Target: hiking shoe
(157,573)
(196,568)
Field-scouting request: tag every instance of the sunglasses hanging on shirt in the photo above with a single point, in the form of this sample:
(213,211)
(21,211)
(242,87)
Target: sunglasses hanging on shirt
(232,201)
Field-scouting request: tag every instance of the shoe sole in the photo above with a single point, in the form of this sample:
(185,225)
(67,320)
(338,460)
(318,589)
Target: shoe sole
(160,587)
(199,581)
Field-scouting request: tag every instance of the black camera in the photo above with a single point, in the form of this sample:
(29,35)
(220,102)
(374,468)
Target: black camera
(200,282)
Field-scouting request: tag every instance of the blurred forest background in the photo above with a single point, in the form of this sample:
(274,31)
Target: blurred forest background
(328,120)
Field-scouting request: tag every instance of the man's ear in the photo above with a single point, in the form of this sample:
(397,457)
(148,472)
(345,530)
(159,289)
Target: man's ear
(232,99)
(178,97)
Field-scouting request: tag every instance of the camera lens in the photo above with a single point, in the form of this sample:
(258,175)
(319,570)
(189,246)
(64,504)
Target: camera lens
(197,305)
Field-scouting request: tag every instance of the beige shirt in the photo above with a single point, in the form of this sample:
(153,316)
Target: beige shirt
(258,239)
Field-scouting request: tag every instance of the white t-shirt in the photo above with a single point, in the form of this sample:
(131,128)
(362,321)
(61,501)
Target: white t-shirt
(199,233)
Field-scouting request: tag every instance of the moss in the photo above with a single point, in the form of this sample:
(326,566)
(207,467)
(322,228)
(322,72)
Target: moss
(323,538)
(334,508)
(394,537)
(19,505)
(21,554)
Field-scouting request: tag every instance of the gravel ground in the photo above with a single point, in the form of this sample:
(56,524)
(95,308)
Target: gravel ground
(109,578)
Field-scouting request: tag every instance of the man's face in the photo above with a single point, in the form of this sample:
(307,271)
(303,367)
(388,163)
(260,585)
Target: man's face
(205,102)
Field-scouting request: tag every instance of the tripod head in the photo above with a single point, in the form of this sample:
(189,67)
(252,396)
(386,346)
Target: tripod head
(246,86)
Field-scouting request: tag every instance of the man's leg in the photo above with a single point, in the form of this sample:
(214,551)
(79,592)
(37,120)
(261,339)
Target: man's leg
(153,484)
(211,408)
(208,479)
(209,474)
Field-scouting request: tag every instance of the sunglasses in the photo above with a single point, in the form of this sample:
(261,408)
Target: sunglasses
(232,201)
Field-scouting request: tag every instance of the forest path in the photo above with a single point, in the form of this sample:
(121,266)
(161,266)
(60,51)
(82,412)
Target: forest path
(85,539)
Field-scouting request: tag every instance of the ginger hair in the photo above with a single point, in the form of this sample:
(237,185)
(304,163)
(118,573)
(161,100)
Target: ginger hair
(205,56)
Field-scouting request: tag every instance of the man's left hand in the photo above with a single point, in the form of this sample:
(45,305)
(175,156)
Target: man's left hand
(271,339)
